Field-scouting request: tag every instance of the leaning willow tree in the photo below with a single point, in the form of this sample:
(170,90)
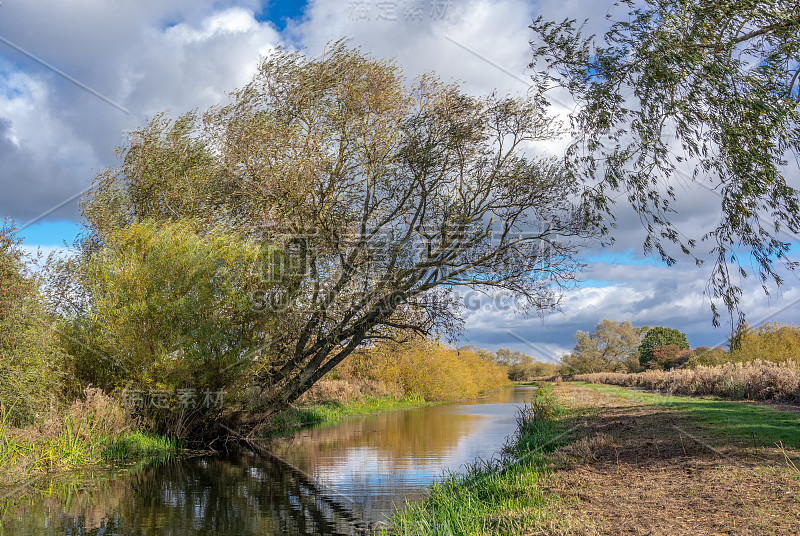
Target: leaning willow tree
(378,200)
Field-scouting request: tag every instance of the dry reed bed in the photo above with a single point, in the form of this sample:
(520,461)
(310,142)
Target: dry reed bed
(351,390)
(759,380)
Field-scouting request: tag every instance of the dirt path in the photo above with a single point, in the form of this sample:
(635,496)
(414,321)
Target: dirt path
(648,470)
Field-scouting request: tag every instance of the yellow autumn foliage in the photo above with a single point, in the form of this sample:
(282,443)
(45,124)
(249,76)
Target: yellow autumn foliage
(771,341)
(425,368)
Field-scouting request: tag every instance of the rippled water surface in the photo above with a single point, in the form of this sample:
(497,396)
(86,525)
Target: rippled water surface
(334,478)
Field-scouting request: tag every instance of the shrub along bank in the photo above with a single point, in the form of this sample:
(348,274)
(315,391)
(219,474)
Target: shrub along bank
(425,369)
(394,376)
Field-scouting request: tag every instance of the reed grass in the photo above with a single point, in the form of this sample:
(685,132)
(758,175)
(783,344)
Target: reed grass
(92,430)
(759,380)
(138,445)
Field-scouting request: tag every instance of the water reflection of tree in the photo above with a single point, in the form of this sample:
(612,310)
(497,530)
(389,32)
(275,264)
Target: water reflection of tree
(200,496)
(399,436)
(238,496)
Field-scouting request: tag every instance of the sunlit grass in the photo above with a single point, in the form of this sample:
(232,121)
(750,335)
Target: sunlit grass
(136,445)
(758,425)
(31,451)
(90,431)
(23,454)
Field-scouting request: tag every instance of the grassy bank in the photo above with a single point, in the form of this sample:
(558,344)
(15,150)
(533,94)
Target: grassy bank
(646,463)
(90,431)
(753,424)
(598,441)
(336,399)
(500,496)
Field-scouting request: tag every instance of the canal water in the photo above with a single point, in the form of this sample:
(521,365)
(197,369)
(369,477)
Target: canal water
(331,479)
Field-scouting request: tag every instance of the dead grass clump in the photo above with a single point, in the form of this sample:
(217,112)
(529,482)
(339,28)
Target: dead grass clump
(583,450)
(759,380)
(102,413)
(94,415)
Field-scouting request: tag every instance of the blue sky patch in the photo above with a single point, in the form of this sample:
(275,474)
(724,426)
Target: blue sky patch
(50,233)
(278,11)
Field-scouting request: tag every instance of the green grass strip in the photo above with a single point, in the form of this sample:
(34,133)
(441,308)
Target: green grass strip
(500,496)
(137,445)
(754,424)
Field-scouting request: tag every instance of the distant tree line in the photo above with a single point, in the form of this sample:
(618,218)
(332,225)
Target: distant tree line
(518,365)
(622,347)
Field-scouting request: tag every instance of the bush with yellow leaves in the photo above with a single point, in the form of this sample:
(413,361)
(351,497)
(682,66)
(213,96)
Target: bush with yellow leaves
(425,368)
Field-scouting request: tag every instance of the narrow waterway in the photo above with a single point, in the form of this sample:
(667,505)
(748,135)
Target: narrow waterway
(329,479)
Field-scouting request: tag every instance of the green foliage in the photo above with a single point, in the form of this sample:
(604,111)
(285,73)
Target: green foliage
(167,173)
(540,412)
(138,445)
(339,158)
(771,341)
(610,347)
(660,336)
(714,85)
(31,360)
(171,311)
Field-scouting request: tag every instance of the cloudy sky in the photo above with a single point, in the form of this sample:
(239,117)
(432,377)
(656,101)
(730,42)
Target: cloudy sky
(76,76)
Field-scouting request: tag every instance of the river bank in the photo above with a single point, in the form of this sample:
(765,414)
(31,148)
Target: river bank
(333,478)
(615,461)
(334,400)
(91,431)
(302,415)
(98,431)
(587,460)
(502,495)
